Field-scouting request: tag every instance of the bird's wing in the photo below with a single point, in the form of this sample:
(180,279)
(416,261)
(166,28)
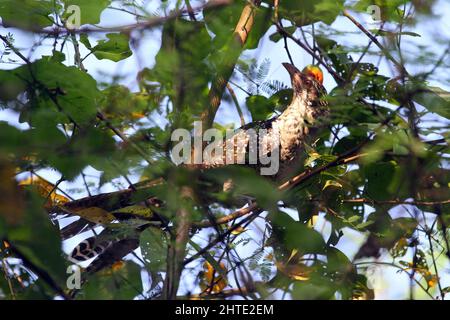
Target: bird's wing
(241,146)
(257,125)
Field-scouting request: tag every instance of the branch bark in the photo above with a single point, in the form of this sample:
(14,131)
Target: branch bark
(177,247)
(237,43)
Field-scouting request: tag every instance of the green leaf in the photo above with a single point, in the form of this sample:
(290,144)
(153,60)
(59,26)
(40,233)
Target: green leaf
(382,180)
(116,48)
(386,232)
(318,288)
(78,89)
(10,85)
(182,70)
(27,14)
(260,107)
(434,99)
(446,290)
(405,226)
(361,289)
(38,239)
(281,99)
(122,284)
(296,235)
(307,12)
(65,92)
(90,10)
(89,146)
(440,92)
(14,141)
(372,87)
(353,219)
(246,182)
(276,36)
(363,225)
(336,54)
(392,34)
(153,243)
(338,264)
(348,143)
(84,39)
(222,22)
(261,24)
(389,10)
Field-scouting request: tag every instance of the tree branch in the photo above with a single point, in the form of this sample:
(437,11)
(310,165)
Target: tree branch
(148,24)
(240,35)
(177,247)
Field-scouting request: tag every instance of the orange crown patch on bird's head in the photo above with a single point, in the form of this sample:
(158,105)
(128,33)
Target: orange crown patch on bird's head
(314,72)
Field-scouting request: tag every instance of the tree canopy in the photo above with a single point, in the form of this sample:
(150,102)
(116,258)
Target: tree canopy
(91,92)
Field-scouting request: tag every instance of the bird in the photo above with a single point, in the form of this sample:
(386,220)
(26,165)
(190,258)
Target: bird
(288,132)
(298,125)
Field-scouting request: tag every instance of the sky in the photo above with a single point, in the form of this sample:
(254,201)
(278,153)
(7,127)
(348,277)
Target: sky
(387,283)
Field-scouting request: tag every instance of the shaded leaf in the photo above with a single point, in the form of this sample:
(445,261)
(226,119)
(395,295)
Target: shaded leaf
(90,10)
(114,284)
(116,48)
(153,244)
(26,14)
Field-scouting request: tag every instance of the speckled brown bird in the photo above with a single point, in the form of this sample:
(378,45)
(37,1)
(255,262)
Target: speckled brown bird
(296,126)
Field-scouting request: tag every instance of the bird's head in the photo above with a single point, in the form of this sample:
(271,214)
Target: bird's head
(306,84)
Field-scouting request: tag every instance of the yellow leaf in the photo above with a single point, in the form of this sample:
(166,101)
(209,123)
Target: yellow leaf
(212,281)
(432,282)
(95,214)
(117,265)
(297,271)
(6,244)
(137,115)
(293,255)
(238,230)
(46,189)
(135,210)
(312,222)
(332,183)
(363,294)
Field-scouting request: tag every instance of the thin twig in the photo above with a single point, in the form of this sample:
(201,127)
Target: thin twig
(236,103)
(394,266)
(434,264)
(399,202)
(145,25)
(102,117)
(375,40)
(335,75)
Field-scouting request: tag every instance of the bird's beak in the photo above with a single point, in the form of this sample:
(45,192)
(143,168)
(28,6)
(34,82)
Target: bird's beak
(296,75)
(290,68)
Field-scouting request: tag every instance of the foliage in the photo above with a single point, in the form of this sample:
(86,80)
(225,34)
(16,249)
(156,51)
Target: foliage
(378,170)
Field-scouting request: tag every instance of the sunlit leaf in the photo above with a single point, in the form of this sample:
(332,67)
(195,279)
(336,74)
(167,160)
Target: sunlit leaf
(90,10)
(116,48)
(212,281)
